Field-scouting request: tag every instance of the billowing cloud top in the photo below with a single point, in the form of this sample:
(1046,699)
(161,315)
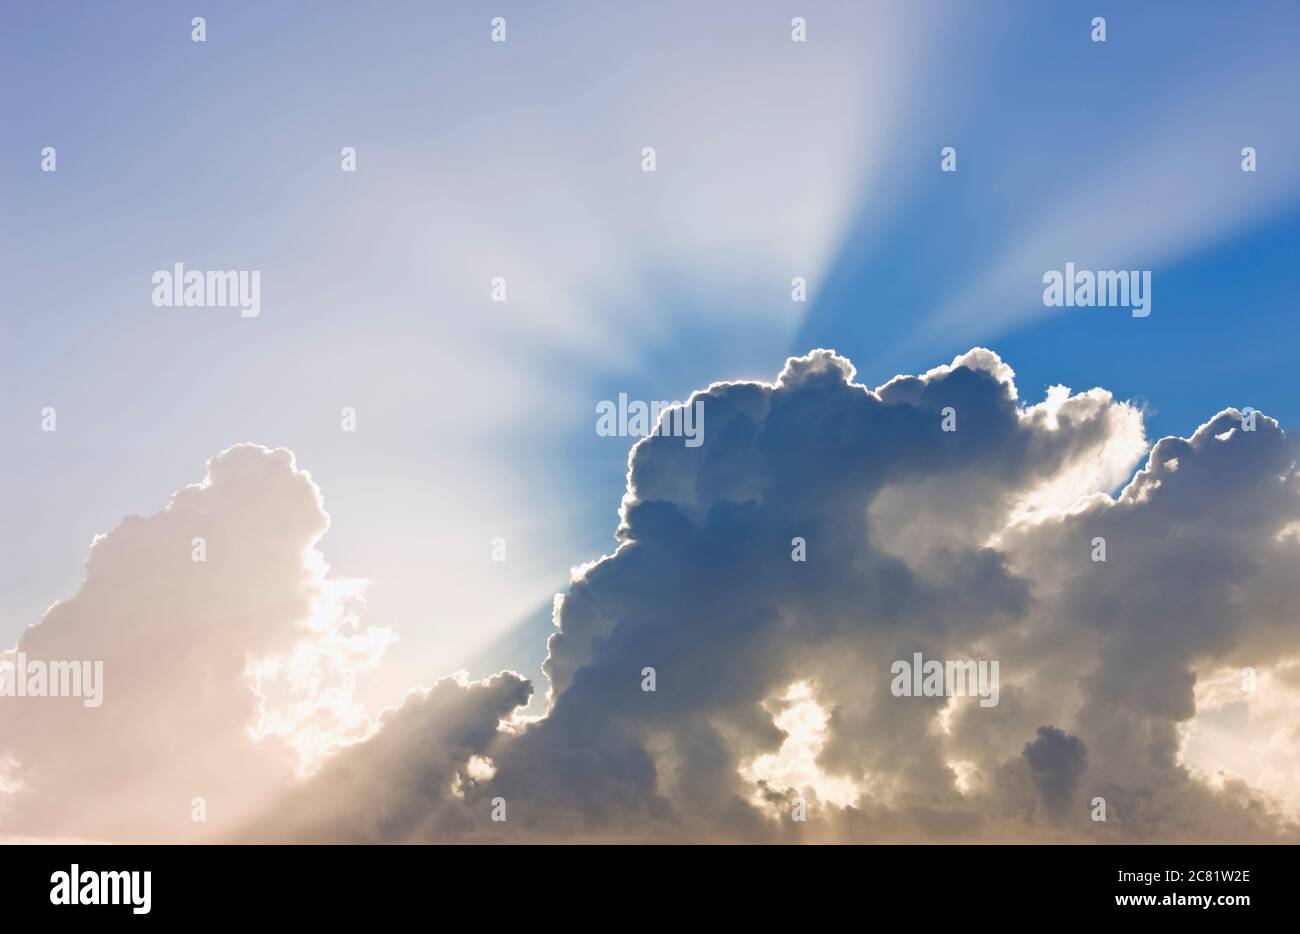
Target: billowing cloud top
(728,670)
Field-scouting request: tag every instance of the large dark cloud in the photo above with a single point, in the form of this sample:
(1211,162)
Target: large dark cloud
(973,543)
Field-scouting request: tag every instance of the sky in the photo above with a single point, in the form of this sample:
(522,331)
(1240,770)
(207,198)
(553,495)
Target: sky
(523,160)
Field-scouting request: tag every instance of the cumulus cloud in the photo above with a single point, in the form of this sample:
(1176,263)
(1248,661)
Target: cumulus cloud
(193,652)
(1116,600)
(772,674)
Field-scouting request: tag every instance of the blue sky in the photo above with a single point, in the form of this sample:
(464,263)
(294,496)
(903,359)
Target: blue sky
(1139,137)
(521,160)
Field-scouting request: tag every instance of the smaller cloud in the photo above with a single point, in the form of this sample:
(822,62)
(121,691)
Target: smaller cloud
(229,656)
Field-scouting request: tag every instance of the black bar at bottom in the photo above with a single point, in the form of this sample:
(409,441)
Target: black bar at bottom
(239,883)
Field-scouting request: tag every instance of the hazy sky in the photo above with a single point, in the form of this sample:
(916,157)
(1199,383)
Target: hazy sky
(475,160)
(523,160)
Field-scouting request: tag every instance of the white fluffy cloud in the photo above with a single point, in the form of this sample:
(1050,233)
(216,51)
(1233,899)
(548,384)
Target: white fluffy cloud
(193,653)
